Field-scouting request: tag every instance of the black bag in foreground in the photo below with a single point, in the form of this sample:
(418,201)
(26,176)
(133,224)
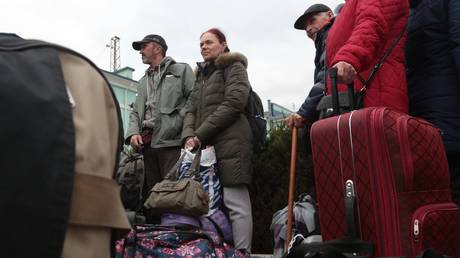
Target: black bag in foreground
(339,102)
(130,177)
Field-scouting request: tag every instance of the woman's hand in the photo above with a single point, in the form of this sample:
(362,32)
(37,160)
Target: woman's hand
(192,143)
(189,143)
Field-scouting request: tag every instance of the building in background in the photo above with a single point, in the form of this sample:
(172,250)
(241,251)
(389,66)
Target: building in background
(275,114)
(125,89)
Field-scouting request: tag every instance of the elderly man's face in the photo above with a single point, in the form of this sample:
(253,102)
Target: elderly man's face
(316,23)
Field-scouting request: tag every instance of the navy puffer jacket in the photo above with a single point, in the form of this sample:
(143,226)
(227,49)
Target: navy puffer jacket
(433,62)
(308,108)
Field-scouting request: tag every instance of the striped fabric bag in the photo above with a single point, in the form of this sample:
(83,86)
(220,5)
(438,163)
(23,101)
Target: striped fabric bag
(209,176)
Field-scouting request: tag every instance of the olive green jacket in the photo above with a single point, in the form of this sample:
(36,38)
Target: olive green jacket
(215,114)
(176,82)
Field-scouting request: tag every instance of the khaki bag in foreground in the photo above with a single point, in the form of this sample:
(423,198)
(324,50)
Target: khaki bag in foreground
(184,196)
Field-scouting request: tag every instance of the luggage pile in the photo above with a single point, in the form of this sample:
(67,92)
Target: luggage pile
(185,230)
(169,242)
(385,186)
(305,225)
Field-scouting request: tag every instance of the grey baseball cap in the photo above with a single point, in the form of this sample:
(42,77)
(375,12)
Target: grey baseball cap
(151,38)
(314,9)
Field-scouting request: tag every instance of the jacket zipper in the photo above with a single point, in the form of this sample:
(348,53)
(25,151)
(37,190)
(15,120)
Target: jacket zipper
(385,188)
(406,154)
(201,101)
(418,219)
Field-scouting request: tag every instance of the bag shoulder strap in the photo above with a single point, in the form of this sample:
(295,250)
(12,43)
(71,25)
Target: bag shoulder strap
(382,60)
(376,66)
(193,171)
(174,171)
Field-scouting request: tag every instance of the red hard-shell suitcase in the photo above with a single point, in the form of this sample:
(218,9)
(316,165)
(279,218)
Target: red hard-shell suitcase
(398,168)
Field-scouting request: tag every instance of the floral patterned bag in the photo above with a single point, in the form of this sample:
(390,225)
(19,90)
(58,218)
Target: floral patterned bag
(148,241)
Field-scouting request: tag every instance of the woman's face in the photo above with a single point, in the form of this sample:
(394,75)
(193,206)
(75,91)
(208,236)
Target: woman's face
(210,46)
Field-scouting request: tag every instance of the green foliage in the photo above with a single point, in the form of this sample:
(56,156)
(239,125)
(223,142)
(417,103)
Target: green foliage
(269,190)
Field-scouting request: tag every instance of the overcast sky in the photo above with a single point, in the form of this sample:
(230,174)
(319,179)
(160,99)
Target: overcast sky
(280,57)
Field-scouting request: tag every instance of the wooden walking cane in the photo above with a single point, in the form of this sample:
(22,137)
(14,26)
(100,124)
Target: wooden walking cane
(291,187)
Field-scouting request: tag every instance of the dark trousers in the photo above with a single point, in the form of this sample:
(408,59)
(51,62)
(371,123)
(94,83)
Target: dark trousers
(157,163)
(454,166)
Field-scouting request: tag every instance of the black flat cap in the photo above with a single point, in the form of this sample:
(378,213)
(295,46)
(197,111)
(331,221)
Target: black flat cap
(316,8)
(151,38)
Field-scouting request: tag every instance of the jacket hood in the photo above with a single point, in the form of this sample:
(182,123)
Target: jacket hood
(167,61)
(228,58)
(221,62)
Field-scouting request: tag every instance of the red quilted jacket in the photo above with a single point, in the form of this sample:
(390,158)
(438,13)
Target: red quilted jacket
(361,34)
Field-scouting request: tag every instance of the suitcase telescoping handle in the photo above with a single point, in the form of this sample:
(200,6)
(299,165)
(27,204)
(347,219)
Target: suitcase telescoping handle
(335,93)
(351,96)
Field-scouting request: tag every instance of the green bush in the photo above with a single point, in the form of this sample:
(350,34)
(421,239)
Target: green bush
(269,190)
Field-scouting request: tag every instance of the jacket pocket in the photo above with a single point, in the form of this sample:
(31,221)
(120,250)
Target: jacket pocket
(171,91)
(171,123)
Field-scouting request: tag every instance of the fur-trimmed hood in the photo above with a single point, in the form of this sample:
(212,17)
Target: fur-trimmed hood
(222,61)
(228,58)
